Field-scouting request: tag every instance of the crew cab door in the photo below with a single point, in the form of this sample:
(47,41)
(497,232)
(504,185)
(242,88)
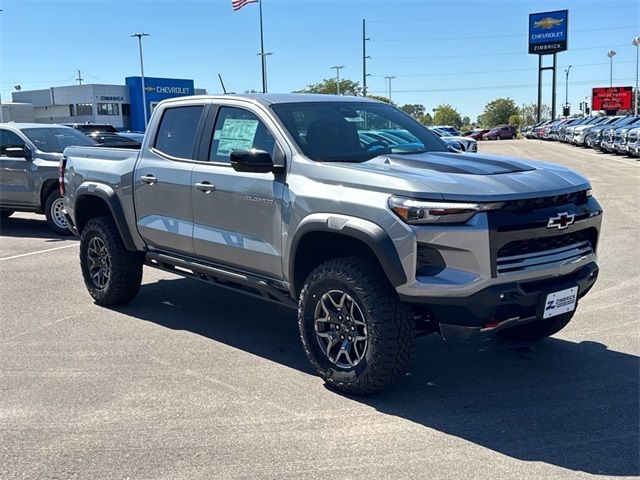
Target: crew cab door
(162,179)
(237,215)
(15,187)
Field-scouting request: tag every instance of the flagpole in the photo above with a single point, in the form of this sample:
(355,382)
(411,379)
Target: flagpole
(262,55)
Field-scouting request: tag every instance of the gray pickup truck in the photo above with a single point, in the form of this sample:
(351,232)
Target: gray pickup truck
(30,156)
(289,198)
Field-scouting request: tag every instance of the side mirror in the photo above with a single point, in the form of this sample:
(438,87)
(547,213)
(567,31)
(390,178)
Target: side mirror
(18,152)
(255,161)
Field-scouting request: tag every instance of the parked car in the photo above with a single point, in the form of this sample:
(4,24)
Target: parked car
(93,127)
(467,144)
(30,154)
(114,140)
(478,134)
(620,136)
(501,133)
(608,134)
(595,133)
(453,131)
(581,132)
(278,197)
(633,142)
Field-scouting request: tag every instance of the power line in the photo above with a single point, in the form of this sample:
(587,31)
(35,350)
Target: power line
(478,72)
(456,18)
(498,87)
(475,37)
(474,55)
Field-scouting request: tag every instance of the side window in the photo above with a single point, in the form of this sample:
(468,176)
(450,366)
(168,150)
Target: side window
(238,129)
(7,140)
(177,131)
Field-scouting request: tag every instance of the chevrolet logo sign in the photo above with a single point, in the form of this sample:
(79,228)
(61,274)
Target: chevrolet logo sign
(149,89)
(562,221)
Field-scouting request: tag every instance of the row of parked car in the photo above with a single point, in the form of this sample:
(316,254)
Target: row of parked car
(615,134)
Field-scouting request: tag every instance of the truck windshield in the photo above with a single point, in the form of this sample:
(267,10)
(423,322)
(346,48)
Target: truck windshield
(354,131)
(56,139)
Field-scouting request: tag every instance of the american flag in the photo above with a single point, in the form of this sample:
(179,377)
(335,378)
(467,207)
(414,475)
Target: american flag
(238,4)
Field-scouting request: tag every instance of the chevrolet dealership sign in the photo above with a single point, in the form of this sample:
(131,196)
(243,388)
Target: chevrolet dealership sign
(548,32)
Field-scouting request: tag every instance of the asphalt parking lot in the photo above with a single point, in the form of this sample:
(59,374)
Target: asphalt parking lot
(189,381)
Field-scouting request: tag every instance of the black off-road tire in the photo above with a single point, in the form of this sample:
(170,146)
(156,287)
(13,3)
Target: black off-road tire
(6,213)
(537,329)
(125,267)
(53,211)
(389,323)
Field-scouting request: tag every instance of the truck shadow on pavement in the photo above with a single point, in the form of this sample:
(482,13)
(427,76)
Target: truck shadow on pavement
(29,228)
(573,405)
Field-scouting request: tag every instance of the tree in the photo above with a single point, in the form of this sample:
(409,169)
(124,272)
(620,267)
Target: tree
(515,120)
(466,120)
(329,86)
(498,111)
(380,98)
(447,115)
(528,113)
(425,119)
(413,109)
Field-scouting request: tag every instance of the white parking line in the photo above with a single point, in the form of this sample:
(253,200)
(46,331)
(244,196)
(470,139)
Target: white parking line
(36,253)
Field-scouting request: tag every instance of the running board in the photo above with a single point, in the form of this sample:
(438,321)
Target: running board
(253,286)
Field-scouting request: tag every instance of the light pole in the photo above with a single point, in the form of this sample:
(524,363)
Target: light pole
(389,77)
(611,54)
(338,77)
(566,86)
(636,42)
(144,90)
(264,56)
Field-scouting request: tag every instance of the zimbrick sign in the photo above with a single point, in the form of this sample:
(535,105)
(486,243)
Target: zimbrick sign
(548,32)
(612,98)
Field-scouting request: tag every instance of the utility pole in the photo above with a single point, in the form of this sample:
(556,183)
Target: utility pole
(144,90)
(636,42)
(364,58)
(389,77)
(79,79)
(338,77)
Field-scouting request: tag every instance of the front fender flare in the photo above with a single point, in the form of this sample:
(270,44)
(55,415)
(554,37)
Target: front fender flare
(376,238)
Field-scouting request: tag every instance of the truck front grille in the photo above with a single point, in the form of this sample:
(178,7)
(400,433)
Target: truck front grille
(528,204)
(537,253)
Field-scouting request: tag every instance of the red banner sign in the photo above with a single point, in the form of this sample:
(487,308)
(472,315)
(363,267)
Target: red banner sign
(612,98)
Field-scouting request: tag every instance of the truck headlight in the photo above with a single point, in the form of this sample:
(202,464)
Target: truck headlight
(423,212)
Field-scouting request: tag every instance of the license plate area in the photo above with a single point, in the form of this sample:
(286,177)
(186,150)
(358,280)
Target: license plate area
(563,301)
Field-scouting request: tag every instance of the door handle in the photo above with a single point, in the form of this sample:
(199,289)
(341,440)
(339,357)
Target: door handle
(206,187)
(149,179)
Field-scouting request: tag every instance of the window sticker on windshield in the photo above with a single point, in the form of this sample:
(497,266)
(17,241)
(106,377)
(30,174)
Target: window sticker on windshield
(237,134)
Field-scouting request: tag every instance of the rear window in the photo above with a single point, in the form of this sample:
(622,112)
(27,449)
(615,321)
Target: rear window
(177,132)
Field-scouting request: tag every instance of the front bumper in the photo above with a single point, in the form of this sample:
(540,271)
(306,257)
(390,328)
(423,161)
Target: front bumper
(507,301)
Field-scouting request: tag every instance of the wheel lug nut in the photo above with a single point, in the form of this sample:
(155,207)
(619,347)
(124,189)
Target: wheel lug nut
(349,337)
(352,328)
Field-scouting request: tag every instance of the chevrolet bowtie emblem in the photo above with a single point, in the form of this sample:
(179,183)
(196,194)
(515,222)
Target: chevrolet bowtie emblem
(562,221)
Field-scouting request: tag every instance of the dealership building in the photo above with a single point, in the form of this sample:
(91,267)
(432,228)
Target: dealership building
(118,105)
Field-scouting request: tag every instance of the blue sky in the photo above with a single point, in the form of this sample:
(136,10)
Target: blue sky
(460,52)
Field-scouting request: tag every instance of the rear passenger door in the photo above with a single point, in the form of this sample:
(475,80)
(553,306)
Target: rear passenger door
(162,180)
(237,215)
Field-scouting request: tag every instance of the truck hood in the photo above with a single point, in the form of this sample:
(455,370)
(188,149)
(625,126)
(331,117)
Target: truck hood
(462,177)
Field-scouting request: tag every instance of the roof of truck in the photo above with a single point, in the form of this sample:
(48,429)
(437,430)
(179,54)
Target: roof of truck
(274,98)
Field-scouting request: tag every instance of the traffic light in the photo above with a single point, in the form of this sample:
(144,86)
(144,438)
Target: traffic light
(566,111)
